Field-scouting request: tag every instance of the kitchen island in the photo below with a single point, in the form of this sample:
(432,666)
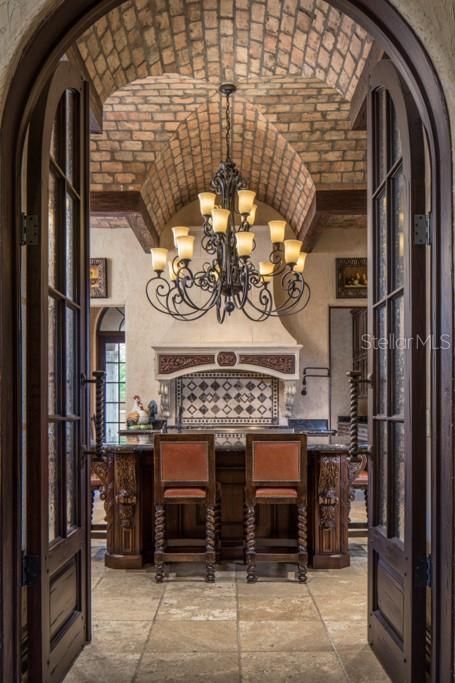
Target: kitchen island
(127,473)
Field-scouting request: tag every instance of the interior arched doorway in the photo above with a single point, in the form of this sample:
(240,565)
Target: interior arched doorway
(35,67)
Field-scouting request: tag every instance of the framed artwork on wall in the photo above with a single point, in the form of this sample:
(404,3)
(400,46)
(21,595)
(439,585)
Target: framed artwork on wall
(98,278)
(352,278)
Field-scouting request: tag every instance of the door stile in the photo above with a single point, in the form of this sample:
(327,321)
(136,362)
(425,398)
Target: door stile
(58,602)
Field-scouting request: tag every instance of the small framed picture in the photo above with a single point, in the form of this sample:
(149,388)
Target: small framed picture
(98,278)
(352,278)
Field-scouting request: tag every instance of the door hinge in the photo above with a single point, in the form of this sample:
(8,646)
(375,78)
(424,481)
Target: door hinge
(30,230)
(423,572)
(422,229)
(31,569)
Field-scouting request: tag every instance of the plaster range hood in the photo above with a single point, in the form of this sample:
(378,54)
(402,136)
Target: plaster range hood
(281,362)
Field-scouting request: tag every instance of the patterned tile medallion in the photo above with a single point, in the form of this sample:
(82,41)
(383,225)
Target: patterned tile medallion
(226,398)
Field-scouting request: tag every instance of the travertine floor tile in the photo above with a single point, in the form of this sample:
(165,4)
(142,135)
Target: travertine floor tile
(115,637)
(181,608)
(193,636)
(103,669)
(285,667)
(273,589)
(208,667)
(361,665)
(128,607)
(347,633)
(276,609)
(283,636)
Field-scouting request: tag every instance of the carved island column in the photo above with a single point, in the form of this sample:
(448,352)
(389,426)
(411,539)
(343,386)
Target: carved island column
(329,476)
(123,510)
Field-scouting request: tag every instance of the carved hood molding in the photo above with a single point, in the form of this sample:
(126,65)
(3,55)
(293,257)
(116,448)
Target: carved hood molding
(277,361)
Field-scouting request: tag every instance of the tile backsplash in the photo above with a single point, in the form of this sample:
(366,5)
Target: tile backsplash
(227,398)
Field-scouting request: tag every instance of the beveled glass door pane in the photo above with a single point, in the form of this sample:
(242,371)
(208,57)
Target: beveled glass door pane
(52,236)
(380,166)
(71,347)
(398,351)
(382,244)
(382,360)
(397,228)
(395,137)
(71,475)
(70,130)
(382,474)
(53,476)
(52,356)
(69,246)
(398,480)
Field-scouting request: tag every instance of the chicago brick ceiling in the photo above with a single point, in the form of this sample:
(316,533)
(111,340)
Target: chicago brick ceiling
(157,64)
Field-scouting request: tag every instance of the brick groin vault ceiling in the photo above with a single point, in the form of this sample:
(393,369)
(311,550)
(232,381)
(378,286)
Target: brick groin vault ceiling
(157,64)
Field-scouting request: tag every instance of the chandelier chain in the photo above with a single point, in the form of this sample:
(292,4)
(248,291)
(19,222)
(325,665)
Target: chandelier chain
(228,128)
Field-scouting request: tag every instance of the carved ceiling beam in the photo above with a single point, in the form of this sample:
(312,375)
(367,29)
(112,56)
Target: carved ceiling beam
(326,205)
(130,205)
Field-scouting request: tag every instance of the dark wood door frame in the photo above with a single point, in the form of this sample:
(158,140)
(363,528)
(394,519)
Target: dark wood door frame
(38,60)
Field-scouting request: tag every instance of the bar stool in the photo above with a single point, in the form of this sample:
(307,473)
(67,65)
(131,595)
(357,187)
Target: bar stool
(184,467)
(276,473)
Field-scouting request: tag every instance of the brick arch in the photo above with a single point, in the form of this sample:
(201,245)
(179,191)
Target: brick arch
(224,40)
(268,163)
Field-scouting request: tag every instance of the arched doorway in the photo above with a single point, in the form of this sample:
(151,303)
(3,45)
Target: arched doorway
(35,68)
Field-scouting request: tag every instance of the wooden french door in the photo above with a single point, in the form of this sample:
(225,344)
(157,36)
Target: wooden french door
(57,426)
(397,362)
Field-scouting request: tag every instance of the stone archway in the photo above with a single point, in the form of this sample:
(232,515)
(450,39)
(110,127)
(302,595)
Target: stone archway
(39,58)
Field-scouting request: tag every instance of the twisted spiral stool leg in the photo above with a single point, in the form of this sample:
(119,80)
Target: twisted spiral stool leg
(160,527)
(251,545)
(302,543)
(210,544)
(218,523)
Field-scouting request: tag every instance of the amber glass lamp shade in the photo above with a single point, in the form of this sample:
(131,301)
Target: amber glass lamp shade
(252,215)
(300,265)
(179,231)
(206,202)
(292,251)
(220,219)
(266,270)
(246,201)
(277,229)
(185,247)
(245,243)
(159,259)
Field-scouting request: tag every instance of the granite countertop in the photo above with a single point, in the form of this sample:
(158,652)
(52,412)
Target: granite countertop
(229,440)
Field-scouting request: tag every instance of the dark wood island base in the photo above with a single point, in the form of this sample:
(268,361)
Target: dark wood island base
(128,472)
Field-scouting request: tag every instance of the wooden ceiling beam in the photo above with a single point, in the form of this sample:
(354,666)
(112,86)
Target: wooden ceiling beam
(358,111)
(131,205)
(328,203)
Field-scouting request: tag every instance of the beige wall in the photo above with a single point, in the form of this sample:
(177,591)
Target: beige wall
(311,327)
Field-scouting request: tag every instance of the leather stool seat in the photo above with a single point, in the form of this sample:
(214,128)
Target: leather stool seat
(269,492)
(361,479)
(185,493)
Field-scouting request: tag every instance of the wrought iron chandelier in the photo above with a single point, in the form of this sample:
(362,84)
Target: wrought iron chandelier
(229,280)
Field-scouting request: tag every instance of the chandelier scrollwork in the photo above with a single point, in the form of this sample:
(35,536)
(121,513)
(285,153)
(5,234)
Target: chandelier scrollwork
(228,279)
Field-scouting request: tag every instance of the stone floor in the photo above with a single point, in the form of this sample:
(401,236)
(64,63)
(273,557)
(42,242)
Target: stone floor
(185,630)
